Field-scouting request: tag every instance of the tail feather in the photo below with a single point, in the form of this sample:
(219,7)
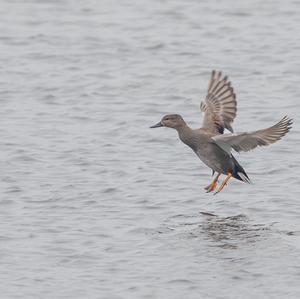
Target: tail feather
(244,177)
(239,172)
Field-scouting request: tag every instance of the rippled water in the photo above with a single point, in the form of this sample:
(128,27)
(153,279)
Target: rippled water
(93,203)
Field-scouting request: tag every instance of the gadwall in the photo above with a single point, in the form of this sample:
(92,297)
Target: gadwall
(210,144)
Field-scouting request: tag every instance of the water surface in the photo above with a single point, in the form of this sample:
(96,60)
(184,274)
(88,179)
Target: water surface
(94,204)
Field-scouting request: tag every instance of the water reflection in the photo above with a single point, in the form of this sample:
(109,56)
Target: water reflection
(225,232)
(231,232)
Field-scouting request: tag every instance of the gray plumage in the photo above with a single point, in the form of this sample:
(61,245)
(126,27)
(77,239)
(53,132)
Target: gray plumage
(210,144)
(249,140)
(219,108)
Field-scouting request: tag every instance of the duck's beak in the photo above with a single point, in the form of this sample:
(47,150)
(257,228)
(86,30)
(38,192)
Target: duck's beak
(157,125)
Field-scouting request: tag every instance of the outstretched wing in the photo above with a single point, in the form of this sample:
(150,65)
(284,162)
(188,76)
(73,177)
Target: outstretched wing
(248,141)
(219,107)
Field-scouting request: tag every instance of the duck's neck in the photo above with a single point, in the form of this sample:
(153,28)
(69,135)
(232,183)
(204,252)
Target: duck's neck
(183,128)
(186,135)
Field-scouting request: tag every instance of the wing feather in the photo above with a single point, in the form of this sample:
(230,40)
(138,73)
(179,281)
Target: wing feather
(250,140)
(219,107)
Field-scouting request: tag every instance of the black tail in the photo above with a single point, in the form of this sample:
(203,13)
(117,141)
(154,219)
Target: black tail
(239,173)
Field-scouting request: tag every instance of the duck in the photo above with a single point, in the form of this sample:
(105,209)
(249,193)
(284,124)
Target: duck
(212,144)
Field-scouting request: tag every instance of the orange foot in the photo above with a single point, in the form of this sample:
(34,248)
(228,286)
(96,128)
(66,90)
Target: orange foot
(212,186)
(224,183)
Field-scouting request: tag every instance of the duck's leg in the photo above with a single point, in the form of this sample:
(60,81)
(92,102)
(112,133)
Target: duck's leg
(229,175)
(213,184)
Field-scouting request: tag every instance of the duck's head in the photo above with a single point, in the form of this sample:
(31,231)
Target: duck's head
(172,121)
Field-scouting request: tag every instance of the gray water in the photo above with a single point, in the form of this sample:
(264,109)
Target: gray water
(94,204)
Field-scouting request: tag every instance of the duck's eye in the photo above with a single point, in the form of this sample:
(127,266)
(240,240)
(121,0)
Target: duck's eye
(167,118)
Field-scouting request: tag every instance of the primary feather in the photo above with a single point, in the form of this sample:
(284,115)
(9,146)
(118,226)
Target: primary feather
(219,107)
(249,140)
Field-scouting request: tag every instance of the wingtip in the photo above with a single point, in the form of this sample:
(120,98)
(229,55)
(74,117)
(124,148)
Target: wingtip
(287,121)
(216,74)
(287,118)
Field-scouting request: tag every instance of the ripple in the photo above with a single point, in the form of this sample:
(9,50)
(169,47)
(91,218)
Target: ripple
(95,201)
